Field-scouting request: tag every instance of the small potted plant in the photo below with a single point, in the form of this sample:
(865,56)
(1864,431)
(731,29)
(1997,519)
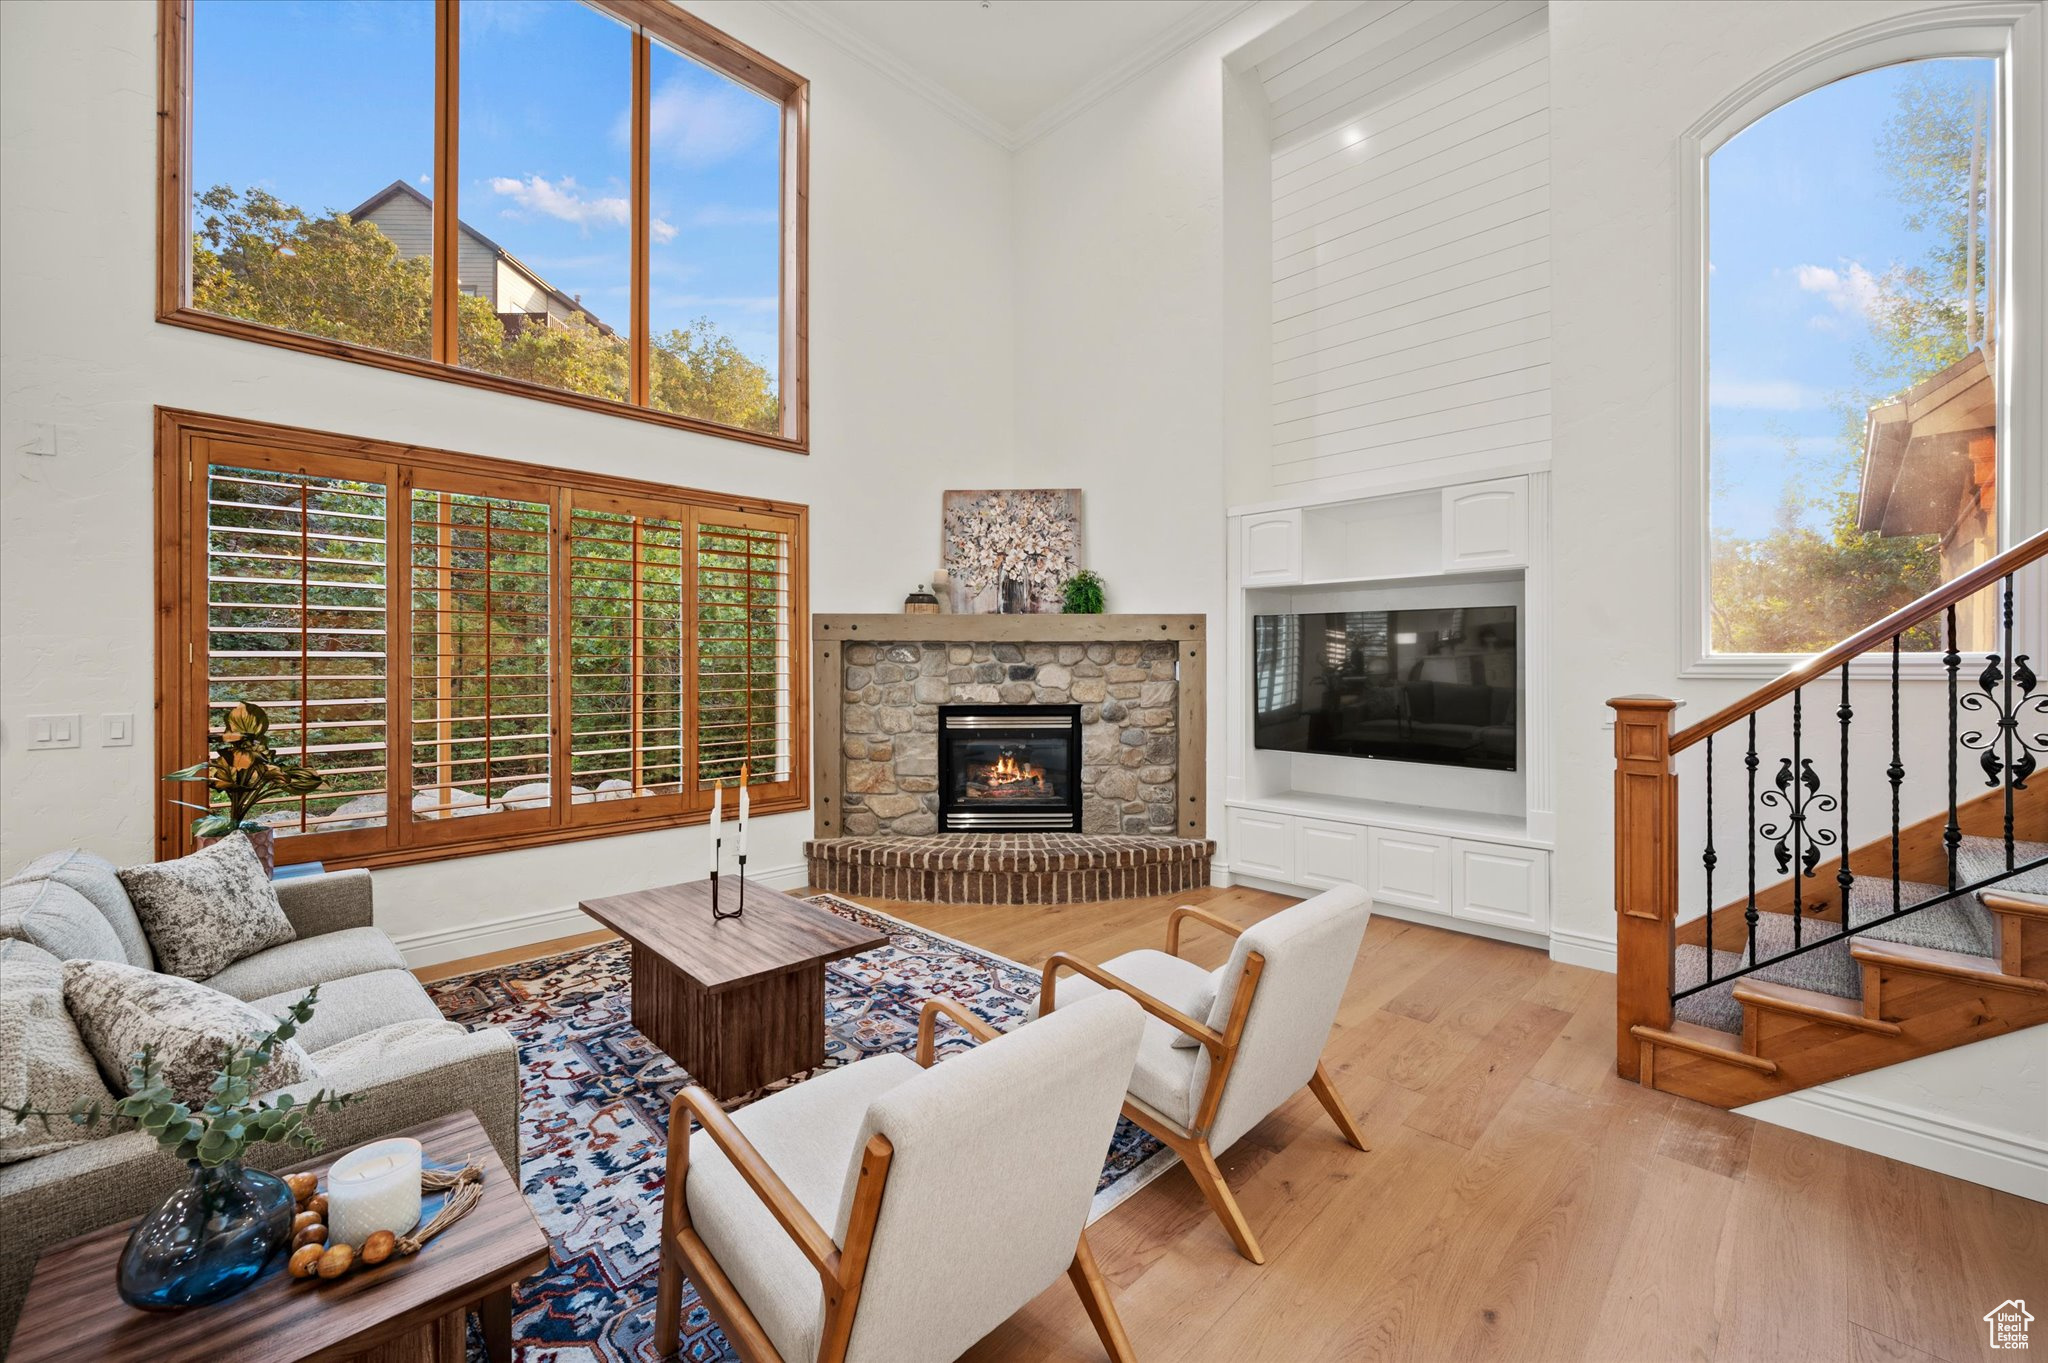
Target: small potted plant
(211,1237)
(1082,594)
(243,770)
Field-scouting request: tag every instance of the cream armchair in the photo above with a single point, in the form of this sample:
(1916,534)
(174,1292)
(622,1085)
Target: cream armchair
(1222,1050)
(896,1212)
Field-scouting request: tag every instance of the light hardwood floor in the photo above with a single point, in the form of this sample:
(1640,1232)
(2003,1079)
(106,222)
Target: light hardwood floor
(1520,1202)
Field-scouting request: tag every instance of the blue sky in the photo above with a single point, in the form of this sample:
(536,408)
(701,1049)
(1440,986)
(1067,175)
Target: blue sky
(1802,220)
(324,102)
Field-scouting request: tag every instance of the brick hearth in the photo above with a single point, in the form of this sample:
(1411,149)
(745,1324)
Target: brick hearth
(1008,868)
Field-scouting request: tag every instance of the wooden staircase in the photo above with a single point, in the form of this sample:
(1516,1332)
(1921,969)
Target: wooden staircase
(1930,937)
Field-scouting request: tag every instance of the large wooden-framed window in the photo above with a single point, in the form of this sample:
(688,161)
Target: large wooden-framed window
(330,181)
(476,654)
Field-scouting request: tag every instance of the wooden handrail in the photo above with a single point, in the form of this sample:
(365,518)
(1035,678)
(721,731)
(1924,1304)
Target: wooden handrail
(1861,642)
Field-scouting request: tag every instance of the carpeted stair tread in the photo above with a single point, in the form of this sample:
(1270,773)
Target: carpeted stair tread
(1828,970)
(1960,924)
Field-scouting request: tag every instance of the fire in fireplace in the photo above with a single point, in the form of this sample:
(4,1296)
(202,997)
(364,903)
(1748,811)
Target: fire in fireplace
(1009,767)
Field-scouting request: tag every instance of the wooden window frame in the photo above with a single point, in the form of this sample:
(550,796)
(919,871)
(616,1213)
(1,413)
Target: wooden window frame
(185,440)
(649,21)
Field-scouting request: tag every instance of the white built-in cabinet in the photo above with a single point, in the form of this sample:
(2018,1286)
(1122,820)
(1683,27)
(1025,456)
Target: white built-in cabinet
(1328,853)
(1297,826)
(1467,880)
(1263,844)
(1272,548)
(1486,525)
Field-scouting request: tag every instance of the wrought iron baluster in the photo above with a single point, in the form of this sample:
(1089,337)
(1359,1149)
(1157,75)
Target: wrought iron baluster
(1952,838)
(1844,877)
(1749,914)
(2008,721)
(1795,814)
(1707,858)
(1896,772)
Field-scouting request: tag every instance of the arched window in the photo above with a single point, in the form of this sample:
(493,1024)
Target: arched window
(1850,392)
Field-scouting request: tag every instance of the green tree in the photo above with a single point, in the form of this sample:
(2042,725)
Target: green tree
(256,257)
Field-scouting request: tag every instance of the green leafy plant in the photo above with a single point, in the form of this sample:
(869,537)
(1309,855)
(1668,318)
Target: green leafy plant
(1082,594)
(243,769)
(231,1120)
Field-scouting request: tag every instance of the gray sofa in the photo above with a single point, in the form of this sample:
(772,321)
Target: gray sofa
(375,1032)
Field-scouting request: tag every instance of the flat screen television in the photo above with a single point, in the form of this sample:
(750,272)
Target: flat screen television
(1437,685)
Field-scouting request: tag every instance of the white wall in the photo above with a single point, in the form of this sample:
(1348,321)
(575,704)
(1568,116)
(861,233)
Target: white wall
(1124,364)
(1411,243)
(1626,81)
(911,341)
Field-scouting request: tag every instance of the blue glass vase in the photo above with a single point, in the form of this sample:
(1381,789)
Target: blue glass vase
(209,1239)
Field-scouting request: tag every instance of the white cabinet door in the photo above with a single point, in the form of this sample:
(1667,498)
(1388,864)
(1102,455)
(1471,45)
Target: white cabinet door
(1410,869)
(1486,525)
(1262,844)
(1505,886)
(1272,548)
(1328,854)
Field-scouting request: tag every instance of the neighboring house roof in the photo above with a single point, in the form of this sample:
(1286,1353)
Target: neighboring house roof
(1916,461)
(400,187)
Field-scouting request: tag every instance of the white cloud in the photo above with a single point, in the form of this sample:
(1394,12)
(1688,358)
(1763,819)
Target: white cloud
(725,215)
(1763,395)
(562,199)
(699,127)
(1849,290)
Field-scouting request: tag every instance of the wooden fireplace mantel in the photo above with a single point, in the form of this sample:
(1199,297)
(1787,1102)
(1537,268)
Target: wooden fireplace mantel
(1188,633)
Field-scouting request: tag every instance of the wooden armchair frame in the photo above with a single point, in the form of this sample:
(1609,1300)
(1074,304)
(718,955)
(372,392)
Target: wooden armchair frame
(841,1268)
(1192,1145)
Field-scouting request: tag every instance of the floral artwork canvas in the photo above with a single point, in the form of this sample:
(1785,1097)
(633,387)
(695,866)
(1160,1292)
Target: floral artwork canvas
(1009,550)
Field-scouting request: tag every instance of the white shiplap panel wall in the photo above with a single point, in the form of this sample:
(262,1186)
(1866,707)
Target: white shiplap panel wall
(1411,239)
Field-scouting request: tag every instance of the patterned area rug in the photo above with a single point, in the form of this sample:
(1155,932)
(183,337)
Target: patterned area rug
(594,1116)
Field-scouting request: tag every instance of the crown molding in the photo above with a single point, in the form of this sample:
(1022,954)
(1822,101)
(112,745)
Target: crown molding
(819,19)
(1198,24)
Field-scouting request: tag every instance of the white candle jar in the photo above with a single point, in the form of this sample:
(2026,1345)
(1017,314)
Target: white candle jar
(372,1188)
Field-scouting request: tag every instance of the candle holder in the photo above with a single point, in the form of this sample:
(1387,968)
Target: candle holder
(719,914)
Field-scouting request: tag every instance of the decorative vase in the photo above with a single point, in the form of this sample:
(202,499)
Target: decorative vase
(209,1239)
(262,839)
(1016,596)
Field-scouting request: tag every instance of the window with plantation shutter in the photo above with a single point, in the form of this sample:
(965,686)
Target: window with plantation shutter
(627,693)
(295,623)
(481,678)
(744,704)
(502,655)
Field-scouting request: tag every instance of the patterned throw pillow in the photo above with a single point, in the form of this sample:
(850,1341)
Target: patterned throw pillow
(43,1060)
(120,1009)
(207,911)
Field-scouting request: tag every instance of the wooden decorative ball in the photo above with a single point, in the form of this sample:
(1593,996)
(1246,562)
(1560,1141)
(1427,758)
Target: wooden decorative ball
(379,1247)
(315,1234)
(305,1260)
(337,1260)
(305,1219)
(318,1203)
(303,1186)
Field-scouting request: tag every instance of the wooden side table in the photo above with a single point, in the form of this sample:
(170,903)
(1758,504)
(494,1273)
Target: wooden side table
(411,1310)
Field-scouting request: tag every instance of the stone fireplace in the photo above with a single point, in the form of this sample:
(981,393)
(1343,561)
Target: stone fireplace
(1009,758)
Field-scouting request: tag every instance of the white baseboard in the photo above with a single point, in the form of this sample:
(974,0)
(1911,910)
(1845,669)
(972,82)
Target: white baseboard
(1947,1145)
(1219,875)
(543,925)
(1578,948)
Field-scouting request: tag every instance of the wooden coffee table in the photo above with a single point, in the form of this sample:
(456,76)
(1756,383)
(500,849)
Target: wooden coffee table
(740,1002)
(404,1310)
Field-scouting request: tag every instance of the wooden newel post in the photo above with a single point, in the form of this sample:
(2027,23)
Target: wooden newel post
(1645,870)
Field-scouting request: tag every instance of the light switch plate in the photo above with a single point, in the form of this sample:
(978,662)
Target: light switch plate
(47,732)
(117,731)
